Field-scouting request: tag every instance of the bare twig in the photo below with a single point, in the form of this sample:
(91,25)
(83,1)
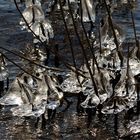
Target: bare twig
(21,56)
(61,59)
(83,50)
(70,42)
(19,66)
(135,33)
(87,39)
(114,34)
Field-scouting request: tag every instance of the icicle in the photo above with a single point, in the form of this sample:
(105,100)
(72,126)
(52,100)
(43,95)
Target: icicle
(32,14)
(88,11)
(43,30)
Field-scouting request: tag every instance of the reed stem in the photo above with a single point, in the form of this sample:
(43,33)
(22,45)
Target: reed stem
(83,50)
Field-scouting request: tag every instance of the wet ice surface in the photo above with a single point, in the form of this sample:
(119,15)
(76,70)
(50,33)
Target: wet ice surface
(68,125)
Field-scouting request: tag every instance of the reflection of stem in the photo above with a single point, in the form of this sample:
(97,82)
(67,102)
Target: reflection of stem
(115,119)
(56,58)
(116,124)
(90,112)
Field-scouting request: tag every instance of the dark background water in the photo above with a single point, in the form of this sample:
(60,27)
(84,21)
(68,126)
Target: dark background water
(68,125)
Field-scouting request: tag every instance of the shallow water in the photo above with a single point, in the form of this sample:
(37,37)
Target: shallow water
(123,18)
(68,125)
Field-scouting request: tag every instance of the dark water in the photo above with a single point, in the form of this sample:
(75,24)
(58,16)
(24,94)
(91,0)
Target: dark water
(68,125)
(123,17)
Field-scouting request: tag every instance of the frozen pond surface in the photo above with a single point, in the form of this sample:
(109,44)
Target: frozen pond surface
(68,125)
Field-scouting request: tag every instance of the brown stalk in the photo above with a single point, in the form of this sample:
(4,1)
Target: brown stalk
(61,59)
(83,50)
(114,34)
(19,66)
(87,39)
(70,42)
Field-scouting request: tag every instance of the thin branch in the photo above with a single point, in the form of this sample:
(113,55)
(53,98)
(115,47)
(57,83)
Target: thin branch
(87,39)
(27,23)
(61,59)
(21,56)
(114,34)
(127,73)
(135,33)
(83,50)
(129,135)
(19,66)
(70,42)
